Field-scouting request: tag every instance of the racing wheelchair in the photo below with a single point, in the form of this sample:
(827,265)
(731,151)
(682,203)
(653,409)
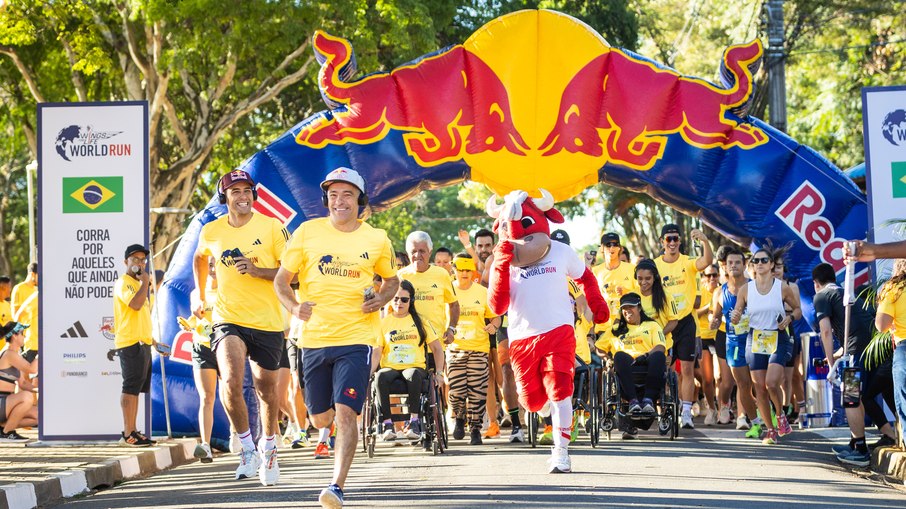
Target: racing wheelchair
(615,410)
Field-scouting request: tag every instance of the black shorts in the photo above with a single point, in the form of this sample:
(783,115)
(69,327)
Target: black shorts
(709,344)
(29,355)
(284,358)
(264,347)
(135,363)
(336,374)
(203,357)
(720,344)
(684,344)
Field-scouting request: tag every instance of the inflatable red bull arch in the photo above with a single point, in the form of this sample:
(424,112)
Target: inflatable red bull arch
(537,99)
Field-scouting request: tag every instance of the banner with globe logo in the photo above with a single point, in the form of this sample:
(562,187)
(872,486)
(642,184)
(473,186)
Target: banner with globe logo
(92,203)
(884,117)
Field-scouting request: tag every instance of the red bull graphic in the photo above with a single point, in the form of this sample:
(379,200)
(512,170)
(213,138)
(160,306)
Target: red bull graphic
(455,104)
(595,116)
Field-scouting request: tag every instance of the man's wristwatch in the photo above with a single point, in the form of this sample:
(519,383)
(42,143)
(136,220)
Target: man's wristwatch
(452,329)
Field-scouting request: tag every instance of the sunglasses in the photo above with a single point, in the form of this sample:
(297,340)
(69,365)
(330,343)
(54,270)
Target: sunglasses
(404,300)
(672,238)
(612,244)
(711,275)
(761,259)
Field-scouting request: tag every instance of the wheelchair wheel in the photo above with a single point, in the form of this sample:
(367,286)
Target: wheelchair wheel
(670,404)
(368,415)
(440,425)
(532,425)
(594,434)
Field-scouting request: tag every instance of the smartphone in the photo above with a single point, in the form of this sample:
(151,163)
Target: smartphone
(369,293)
(852,387)
(162,348)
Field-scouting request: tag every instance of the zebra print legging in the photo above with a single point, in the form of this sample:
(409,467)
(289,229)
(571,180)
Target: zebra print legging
(467,375)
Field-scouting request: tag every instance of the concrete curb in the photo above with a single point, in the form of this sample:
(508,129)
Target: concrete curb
(889,461)
(164,455)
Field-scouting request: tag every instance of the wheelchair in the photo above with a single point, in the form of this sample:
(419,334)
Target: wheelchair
(585,399)
(614,410)
(431,412)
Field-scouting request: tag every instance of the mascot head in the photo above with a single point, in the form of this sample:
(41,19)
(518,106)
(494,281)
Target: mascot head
(524,221)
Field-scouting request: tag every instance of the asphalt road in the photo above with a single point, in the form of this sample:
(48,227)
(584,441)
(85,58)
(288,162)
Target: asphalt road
(703,468)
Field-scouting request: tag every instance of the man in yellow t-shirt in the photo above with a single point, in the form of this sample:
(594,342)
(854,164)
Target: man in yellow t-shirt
(247,319)
(336,259)
(6,313)
(24,308)
(434,294)
(678,272)
(133,339)
(615,278)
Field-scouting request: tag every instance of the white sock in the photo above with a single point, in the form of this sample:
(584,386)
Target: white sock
(246,438)
(562,421)
(270,442)
(687,407)
(324,435)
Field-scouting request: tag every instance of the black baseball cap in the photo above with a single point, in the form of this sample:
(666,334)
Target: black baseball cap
(136,248)
(610,237)
(670,228)
(560,236)
(630,299)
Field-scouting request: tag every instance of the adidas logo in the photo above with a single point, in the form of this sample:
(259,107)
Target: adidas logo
(477,302)
(257,242)
(364,255)
(434,285)
(76,331)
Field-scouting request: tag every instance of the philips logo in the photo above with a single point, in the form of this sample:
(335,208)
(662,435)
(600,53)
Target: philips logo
(75,357)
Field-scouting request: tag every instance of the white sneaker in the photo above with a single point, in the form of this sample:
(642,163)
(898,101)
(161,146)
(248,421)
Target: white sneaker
(249,461)
(559,462)
(235,443)
(687,421)
(517,436)
(723,416)
(545,410)
(696,409)
(269,471)
(711,418)
(742,424)
(203,453)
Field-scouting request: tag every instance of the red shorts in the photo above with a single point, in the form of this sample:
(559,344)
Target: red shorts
(531,357)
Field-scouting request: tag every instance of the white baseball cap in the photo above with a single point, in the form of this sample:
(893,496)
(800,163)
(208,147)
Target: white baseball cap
(343,174)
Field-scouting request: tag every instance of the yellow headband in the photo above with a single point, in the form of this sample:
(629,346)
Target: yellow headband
(464,264)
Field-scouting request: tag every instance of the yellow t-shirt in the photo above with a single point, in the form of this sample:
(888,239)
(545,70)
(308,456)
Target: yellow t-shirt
(334,269)
(893,303)
(680,282)
(245,300)
(639,340)
(704,325)
(6,315)
(622,277)
(473,309)
(433,291)
(667,314)
(581,327)
(130,326)
(21,292)
(400,343)
(207,314)
(27,313)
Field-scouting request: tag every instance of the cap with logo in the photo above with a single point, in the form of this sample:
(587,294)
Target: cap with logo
(670,228)
(630,299)
(136,248)
(234,177)
(343,174)
(610,237)
(560,236)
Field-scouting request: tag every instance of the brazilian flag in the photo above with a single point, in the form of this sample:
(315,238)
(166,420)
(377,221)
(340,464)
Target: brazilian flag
(898,179)
(92,194)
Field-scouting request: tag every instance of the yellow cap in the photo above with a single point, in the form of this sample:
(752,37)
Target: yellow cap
(464,263)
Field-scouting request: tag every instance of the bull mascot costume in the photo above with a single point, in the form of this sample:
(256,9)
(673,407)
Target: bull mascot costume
(528,279)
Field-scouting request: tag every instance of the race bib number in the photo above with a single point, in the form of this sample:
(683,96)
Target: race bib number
(742,327)
(465,332)
(402,354)
(764,341)
(680,300)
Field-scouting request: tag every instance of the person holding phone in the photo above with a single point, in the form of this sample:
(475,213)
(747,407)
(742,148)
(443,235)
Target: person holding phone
(133,339)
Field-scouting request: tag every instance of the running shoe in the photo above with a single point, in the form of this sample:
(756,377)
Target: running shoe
(711,417)
(517,435)
(131,441)
(331,497)
(203,453)
(476,436)
(301,440)
(547,437)
(648,407)
(723,415)
(842,450)
(884,441)
(559,462)
(414,430)
(545,410)
(249,461)
(687,421)
(13,436)
(754,431)
(856,459)
(235,443)
(506,422)
(770,437)
(269,471)
(630,433)
(696,409)
(389,434)
(634,406)
(742,423)
(493,430)
(322,451)
(459,430)
(783,426)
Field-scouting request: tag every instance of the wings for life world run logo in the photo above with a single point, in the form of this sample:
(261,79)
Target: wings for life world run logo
(330,266)
(78,141)
(894,131)
(537,270)
(92,194)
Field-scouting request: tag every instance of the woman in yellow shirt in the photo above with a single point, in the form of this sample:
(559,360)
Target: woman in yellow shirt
(636,340)
(892,317)
(401,354)
(656,303)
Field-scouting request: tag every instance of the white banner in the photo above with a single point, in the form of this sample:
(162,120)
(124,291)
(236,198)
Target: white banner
(884,118)
(92,203)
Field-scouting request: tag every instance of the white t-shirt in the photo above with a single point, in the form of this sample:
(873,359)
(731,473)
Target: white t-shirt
(539,293)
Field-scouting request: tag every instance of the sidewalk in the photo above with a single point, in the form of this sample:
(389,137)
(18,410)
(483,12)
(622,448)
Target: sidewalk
(38,474)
